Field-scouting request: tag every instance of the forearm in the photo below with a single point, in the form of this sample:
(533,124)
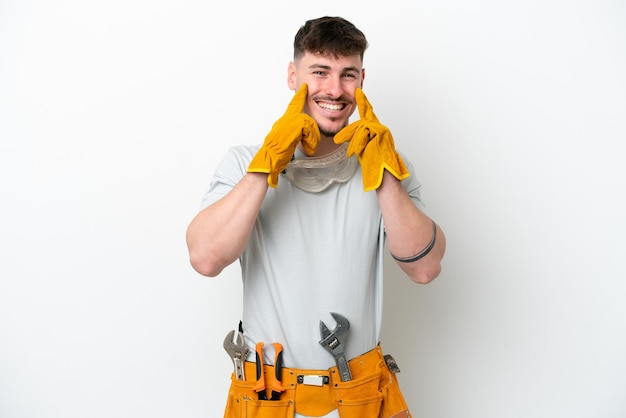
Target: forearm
(218,234)
(409,231)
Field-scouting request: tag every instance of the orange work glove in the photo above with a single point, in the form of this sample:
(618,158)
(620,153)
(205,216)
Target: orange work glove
(373,144)
(281,142)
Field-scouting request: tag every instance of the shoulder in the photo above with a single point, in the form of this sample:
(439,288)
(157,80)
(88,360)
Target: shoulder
(229,171)
(242,152)
(411,184)
(237,158)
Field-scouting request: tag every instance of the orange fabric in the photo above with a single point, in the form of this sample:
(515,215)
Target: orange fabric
(282,140)
(372,392)
(373,145)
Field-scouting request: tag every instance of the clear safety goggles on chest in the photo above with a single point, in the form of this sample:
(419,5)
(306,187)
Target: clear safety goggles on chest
(316,174)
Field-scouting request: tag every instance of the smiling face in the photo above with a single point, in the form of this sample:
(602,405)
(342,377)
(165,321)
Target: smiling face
(331,82)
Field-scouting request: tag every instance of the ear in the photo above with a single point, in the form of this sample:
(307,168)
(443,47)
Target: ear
(291,76)
(362,76)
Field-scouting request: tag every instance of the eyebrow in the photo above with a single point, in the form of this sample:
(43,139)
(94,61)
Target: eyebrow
(328,67)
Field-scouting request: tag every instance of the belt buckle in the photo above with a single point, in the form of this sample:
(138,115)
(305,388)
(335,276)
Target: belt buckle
(312,379)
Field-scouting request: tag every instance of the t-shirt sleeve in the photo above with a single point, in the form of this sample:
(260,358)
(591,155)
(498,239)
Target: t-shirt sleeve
(228,173)
(412,184)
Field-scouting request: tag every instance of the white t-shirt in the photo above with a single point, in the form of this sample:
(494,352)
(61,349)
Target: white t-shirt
(310,254)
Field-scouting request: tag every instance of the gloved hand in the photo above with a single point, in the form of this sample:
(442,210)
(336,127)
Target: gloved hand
(281,142)
(373,144)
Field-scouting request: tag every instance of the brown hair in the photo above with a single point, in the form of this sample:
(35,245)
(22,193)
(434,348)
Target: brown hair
(327,35)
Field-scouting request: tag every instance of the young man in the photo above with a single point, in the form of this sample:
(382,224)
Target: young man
(307,214)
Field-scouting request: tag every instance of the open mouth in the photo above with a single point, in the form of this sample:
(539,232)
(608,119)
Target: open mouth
(331,107)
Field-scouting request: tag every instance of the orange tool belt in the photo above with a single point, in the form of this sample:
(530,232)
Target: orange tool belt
(373,392)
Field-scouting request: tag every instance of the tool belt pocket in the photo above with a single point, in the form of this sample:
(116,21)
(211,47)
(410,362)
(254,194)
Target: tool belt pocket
(243,402)
(360,397)
(394,404)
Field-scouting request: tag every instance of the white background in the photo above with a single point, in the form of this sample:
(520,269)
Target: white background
(114,114)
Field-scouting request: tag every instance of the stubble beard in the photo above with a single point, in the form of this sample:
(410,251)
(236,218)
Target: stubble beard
(330,133)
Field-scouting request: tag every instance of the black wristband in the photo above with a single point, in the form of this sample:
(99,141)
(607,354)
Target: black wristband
(422,253)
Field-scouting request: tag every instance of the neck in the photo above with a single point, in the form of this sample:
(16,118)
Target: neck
(325,147)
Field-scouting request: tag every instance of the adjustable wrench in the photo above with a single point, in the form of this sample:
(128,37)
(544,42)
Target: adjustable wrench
(238,352)
(335,342)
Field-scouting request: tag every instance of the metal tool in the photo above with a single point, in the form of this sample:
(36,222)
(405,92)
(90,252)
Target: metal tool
(236,347)
(335,342)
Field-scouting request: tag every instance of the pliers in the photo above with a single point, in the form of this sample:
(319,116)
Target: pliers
(277,386)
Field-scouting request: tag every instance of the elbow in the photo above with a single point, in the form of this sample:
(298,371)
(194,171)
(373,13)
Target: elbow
(426,276)
(204,265)
(430,268)
(201,256)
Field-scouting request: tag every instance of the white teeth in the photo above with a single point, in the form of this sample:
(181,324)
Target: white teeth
(328,106)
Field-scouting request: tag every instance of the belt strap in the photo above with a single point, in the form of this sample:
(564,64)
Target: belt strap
(315,392)
(358,367)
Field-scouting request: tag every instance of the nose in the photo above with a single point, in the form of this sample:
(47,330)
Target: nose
(333,87)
